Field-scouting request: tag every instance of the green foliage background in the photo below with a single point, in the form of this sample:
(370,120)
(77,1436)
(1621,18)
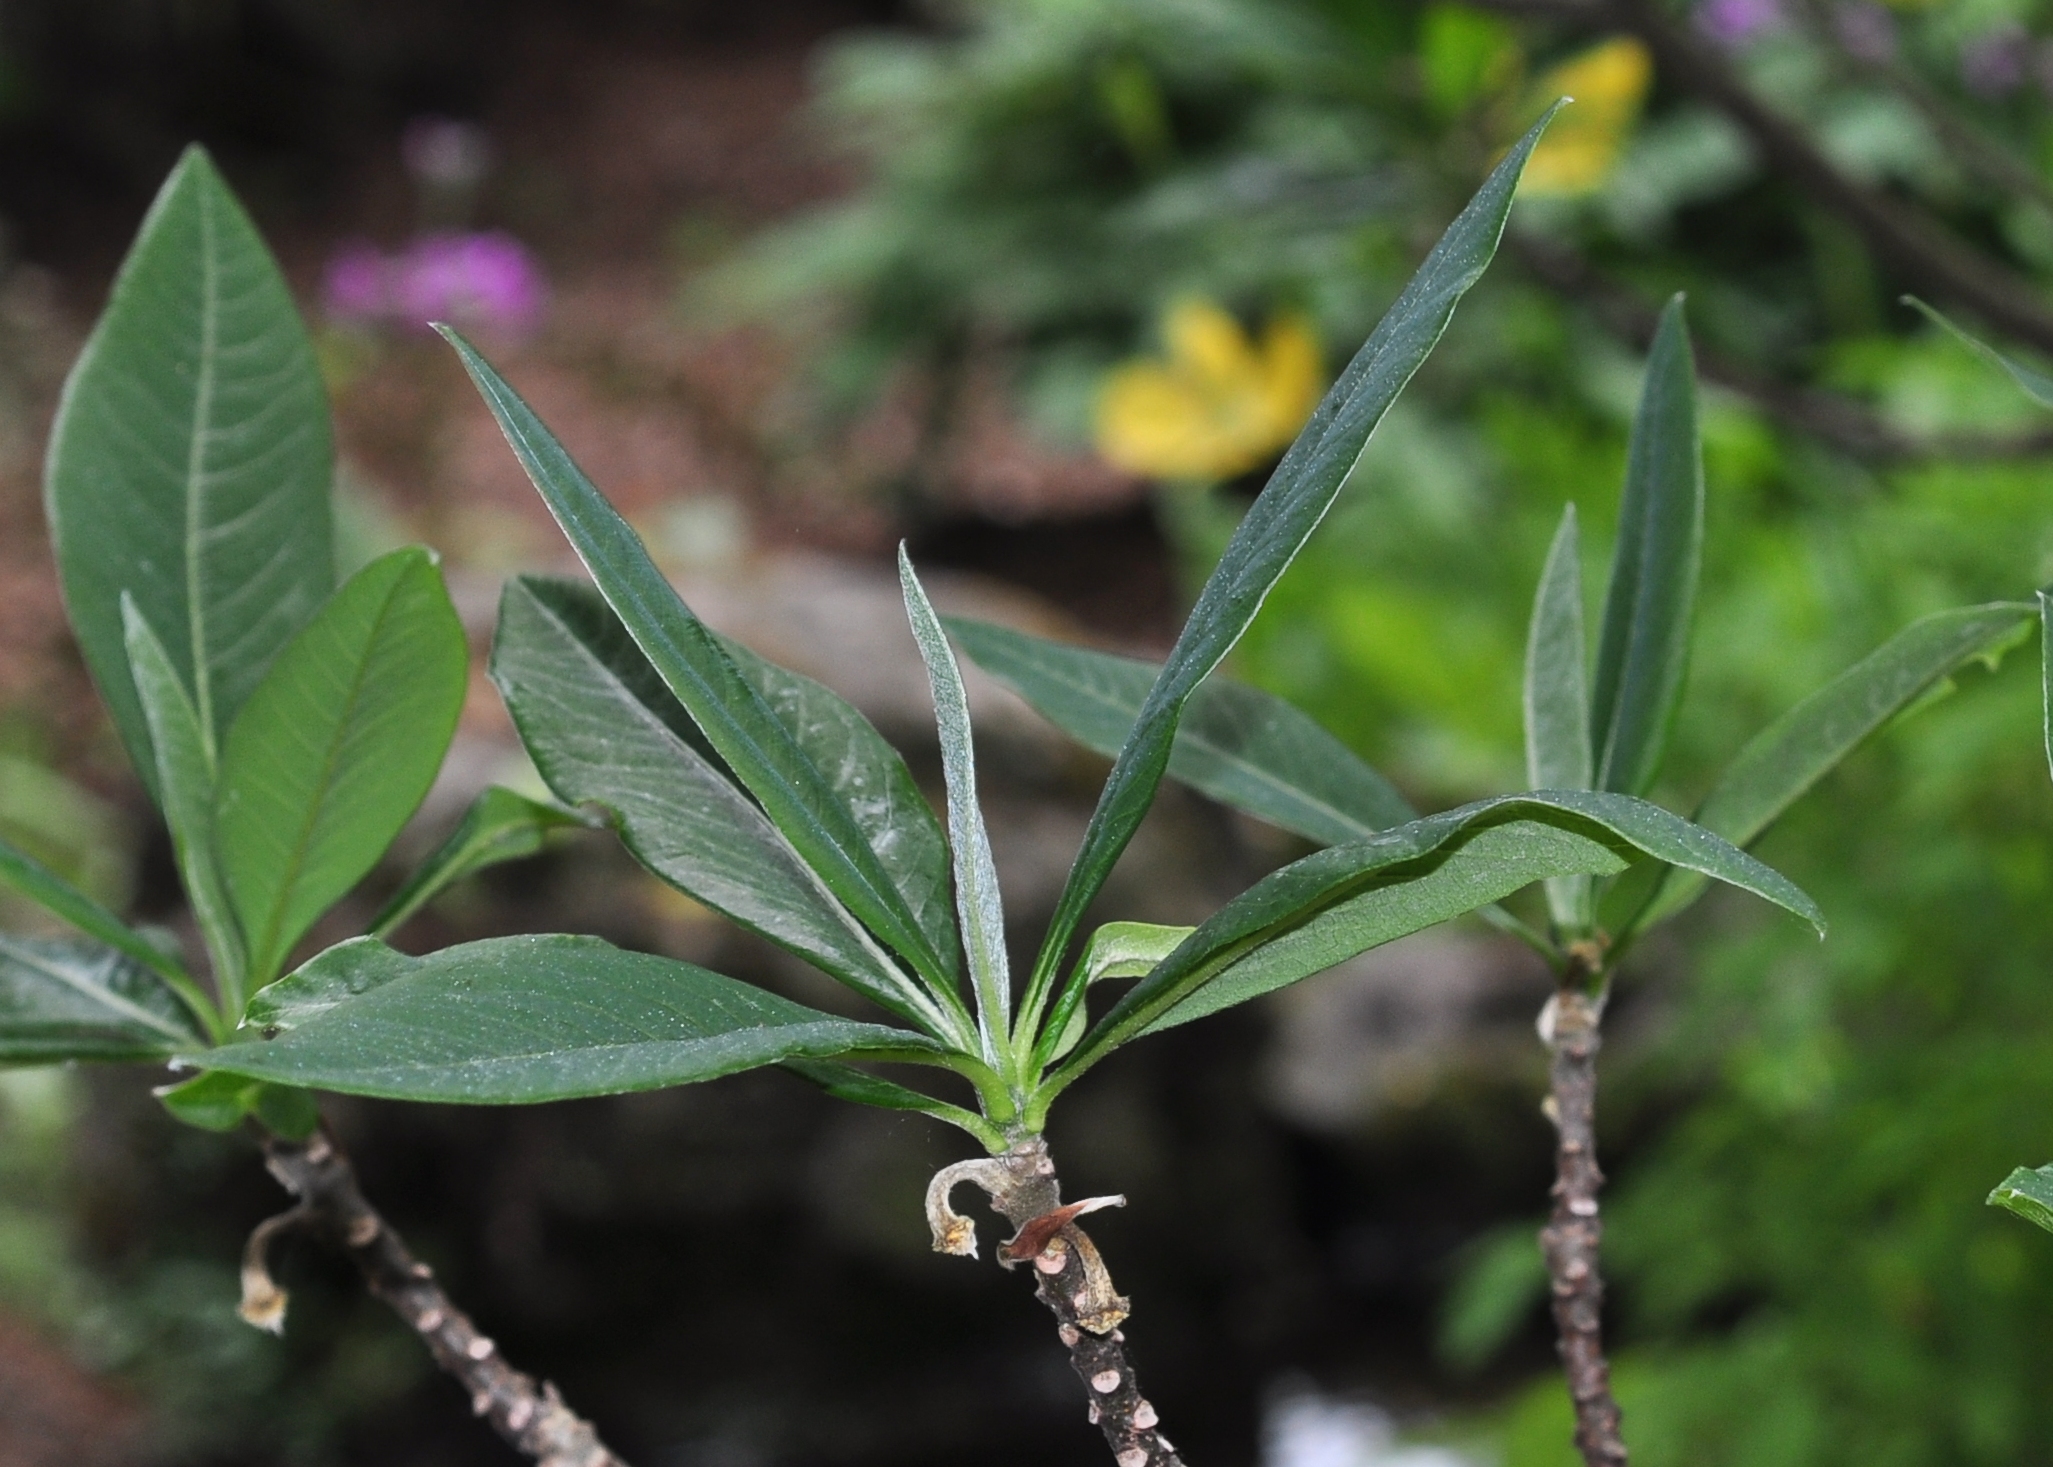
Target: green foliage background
(1803,1266)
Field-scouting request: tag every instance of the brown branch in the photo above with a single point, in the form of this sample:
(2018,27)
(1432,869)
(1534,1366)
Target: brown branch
(533,1418)
(1924,254)
(1072,1281)
(1575,1229)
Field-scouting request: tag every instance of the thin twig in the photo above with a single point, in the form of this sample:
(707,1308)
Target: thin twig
(1575,1229)
(533,1418)
(1072,1282)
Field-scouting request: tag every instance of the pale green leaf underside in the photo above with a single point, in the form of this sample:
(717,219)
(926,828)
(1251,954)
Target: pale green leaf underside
(1274,529)
(1115,950)
(517,1020)
(336,749)
(2029,1194)
(76,999)
(500,825)
(1557,701)
(603,730)
(190,461)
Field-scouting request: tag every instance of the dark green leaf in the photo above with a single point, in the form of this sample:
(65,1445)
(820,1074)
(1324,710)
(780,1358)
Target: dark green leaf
(1242,746)
(190,460)
(2029,1194)
(1643,651)
(2036,385)
(1783,761)
(732,714)
(336,749)
(499,826)
(1603,827)
(185,787)
(76,999)
(45,887)
(1275,528)
(859,1087)
(217,1101)
(515,1020)
(604,730)
(977,903)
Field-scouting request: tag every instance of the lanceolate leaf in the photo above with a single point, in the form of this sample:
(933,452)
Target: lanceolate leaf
(604,730)
(2046,672)
(1607,827)
(45,887)
(189,464)
(732,714)
(1781,763)
(1242,746)
(977,903)
(336,748)
(859,1087)
(78,999)
(185,785)
(1557,701)
(2036,385)
(1115,950)
(515,1020)
(2029,1194)
(1643,652)
(871,776)
(500,825)
(1275,528)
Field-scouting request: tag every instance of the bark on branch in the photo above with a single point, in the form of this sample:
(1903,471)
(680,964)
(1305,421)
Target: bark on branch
(1575,1228)
(532,1417)
(1072,1281)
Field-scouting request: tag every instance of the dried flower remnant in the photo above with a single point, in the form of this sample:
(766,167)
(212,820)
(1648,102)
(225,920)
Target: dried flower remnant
(1218,404)
(1609,85)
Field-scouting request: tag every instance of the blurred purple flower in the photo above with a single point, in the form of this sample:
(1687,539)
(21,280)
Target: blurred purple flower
(1866,31)
(1993,64)
(476,279)
(1733,23)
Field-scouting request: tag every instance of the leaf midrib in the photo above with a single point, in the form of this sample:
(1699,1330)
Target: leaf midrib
(30,958)
(196,476)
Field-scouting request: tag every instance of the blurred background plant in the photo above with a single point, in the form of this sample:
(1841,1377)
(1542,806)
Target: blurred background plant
(986,274)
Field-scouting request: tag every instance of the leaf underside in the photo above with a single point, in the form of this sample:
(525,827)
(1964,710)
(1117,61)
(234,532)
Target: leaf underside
(73,998)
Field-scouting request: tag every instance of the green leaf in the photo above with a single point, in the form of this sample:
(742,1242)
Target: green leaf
(2046,672)
(217,1101)
(977,903)
(500,825)
(76,999)
(185,786)
(2029,1194)
(1115,950)
(1557,701)
(872,778)
(45,887)
(1781,763)
(1643,650)
(515,1020)
(760,750)
(337,748)
(602,729)
(1274,529)
(1242,746)
(859,1087)
(1601,829)
(190,461)
(2036,385)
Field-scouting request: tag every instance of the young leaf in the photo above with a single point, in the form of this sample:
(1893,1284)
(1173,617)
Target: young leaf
(977,904)
(1115,950)
(1781,762)
(515,1020)
(336,748)
(1605,827)
(499,826)
(1557,701)
(2036,385)
(859,1087)
(603,729)
(872,778)
(1242,746)
(732,714)
(2029,1194)
(1275,528)
(52,892)
(189,463)
(1643,651)
(76,999)
(185,789)
(216,1101)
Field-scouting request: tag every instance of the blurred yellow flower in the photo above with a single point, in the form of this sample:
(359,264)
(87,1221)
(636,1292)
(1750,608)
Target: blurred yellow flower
(1218,404)
(1609,83)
